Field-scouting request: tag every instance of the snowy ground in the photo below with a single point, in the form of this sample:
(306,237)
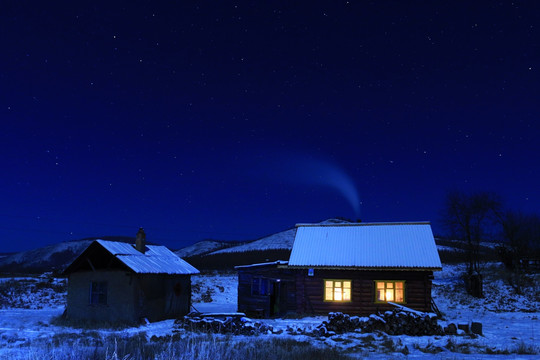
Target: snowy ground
(510,322)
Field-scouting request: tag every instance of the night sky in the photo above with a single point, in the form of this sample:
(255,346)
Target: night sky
(234,120)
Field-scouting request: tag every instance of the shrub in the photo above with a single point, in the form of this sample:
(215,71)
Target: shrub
(207,296)
(526,349)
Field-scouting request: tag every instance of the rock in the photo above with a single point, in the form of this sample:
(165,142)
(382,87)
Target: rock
(464,327)
(476,328)
(451,329)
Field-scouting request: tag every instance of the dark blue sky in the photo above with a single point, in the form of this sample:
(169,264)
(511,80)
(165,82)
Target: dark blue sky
(233,120)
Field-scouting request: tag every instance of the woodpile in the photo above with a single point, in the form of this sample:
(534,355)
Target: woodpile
(396,322)
(236,325)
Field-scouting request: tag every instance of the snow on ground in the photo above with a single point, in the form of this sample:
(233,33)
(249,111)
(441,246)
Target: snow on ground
(215,292)
(510,322)
(448,248)
(32,293)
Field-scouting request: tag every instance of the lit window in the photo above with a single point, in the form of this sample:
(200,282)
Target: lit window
(98,293)
(337,290)
(390,291)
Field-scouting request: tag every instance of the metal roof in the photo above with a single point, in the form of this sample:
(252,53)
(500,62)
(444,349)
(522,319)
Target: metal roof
(155,260)
(366,245)
(277,262)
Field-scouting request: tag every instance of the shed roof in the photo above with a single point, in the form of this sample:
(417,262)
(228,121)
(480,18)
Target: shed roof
(155,260)
(403,245)
(271,263)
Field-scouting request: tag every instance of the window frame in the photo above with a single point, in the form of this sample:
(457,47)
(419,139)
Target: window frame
(377,301)
(333,290)
(260,281)
(98,291)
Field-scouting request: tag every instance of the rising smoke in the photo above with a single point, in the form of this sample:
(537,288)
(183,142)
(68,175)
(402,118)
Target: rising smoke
(306,170)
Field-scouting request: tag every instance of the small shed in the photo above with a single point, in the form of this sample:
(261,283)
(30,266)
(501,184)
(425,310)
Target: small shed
(266,289)
(356,268)
(114,281)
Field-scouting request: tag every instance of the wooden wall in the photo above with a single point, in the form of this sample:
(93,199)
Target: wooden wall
(310,291)
(130,297)
(120,305)
(161,296)
(261,305)
(305,294)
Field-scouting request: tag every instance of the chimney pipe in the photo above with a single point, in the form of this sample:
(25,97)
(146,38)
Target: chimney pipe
(140,240)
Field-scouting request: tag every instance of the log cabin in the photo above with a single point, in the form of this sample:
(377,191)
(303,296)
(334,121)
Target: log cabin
(355,268)
(120,282)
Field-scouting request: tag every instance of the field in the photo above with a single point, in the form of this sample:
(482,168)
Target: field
(30,308)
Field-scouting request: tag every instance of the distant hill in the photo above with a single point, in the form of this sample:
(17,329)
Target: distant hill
(50,258)
(206,254)
(204,247)
(452,251)
(273,247)
(279,241)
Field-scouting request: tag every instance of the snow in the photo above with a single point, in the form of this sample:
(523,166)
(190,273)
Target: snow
(215,292)
(36,257)
(202,247)
(507,324)
(448,248)
(365,245)
(277,262)
(279,241)
(155,260)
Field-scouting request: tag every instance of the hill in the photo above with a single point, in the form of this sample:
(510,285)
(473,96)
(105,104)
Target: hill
(50,258)
(279,241)
(273,247)
(204,247)
(206,254)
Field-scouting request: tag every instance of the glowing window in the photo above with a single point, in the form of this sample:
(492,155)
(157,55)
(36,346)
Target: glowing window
(337,290)
(390,291)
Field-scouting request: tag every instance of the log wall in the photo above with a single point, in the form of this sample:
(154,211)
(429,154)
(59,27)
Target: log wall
(263,305)
(310,291)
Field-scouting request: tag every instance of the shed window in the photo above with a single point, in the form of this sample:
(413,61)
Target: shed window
(337,290)
(98,293)
(259,286)
(390,291)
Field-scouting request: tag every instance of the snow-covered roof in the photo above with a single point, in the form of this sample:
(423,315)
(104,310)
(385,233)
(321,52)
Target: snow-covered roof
(277,262)
(155,260)
(366,245)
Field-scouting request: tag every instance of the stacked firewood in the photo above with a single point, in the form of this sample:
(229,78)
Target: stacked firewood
(396,322)
(224,325)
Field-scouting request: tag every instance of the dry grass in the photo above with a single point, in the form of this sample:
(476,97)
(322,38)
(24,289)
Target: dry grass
(195,347)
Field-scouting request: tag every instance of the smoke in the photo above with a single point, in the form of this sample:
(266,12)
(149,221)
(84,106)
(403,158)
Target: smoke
(305,170)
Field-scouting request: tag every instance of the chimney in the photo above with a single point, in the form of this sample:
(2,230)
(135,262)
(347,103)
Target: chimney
(140,240)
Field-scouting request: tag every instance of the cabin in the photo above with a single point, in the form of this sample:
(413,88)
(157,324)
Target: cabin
(355,268)
(121,282)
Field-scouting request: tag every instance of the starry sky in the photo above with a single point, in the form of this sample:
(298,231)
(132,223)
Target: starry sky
(234,120)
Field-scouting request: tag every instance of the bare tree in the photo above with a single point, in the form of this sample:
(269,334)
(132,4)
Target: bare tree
(471,217)
(521,242)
